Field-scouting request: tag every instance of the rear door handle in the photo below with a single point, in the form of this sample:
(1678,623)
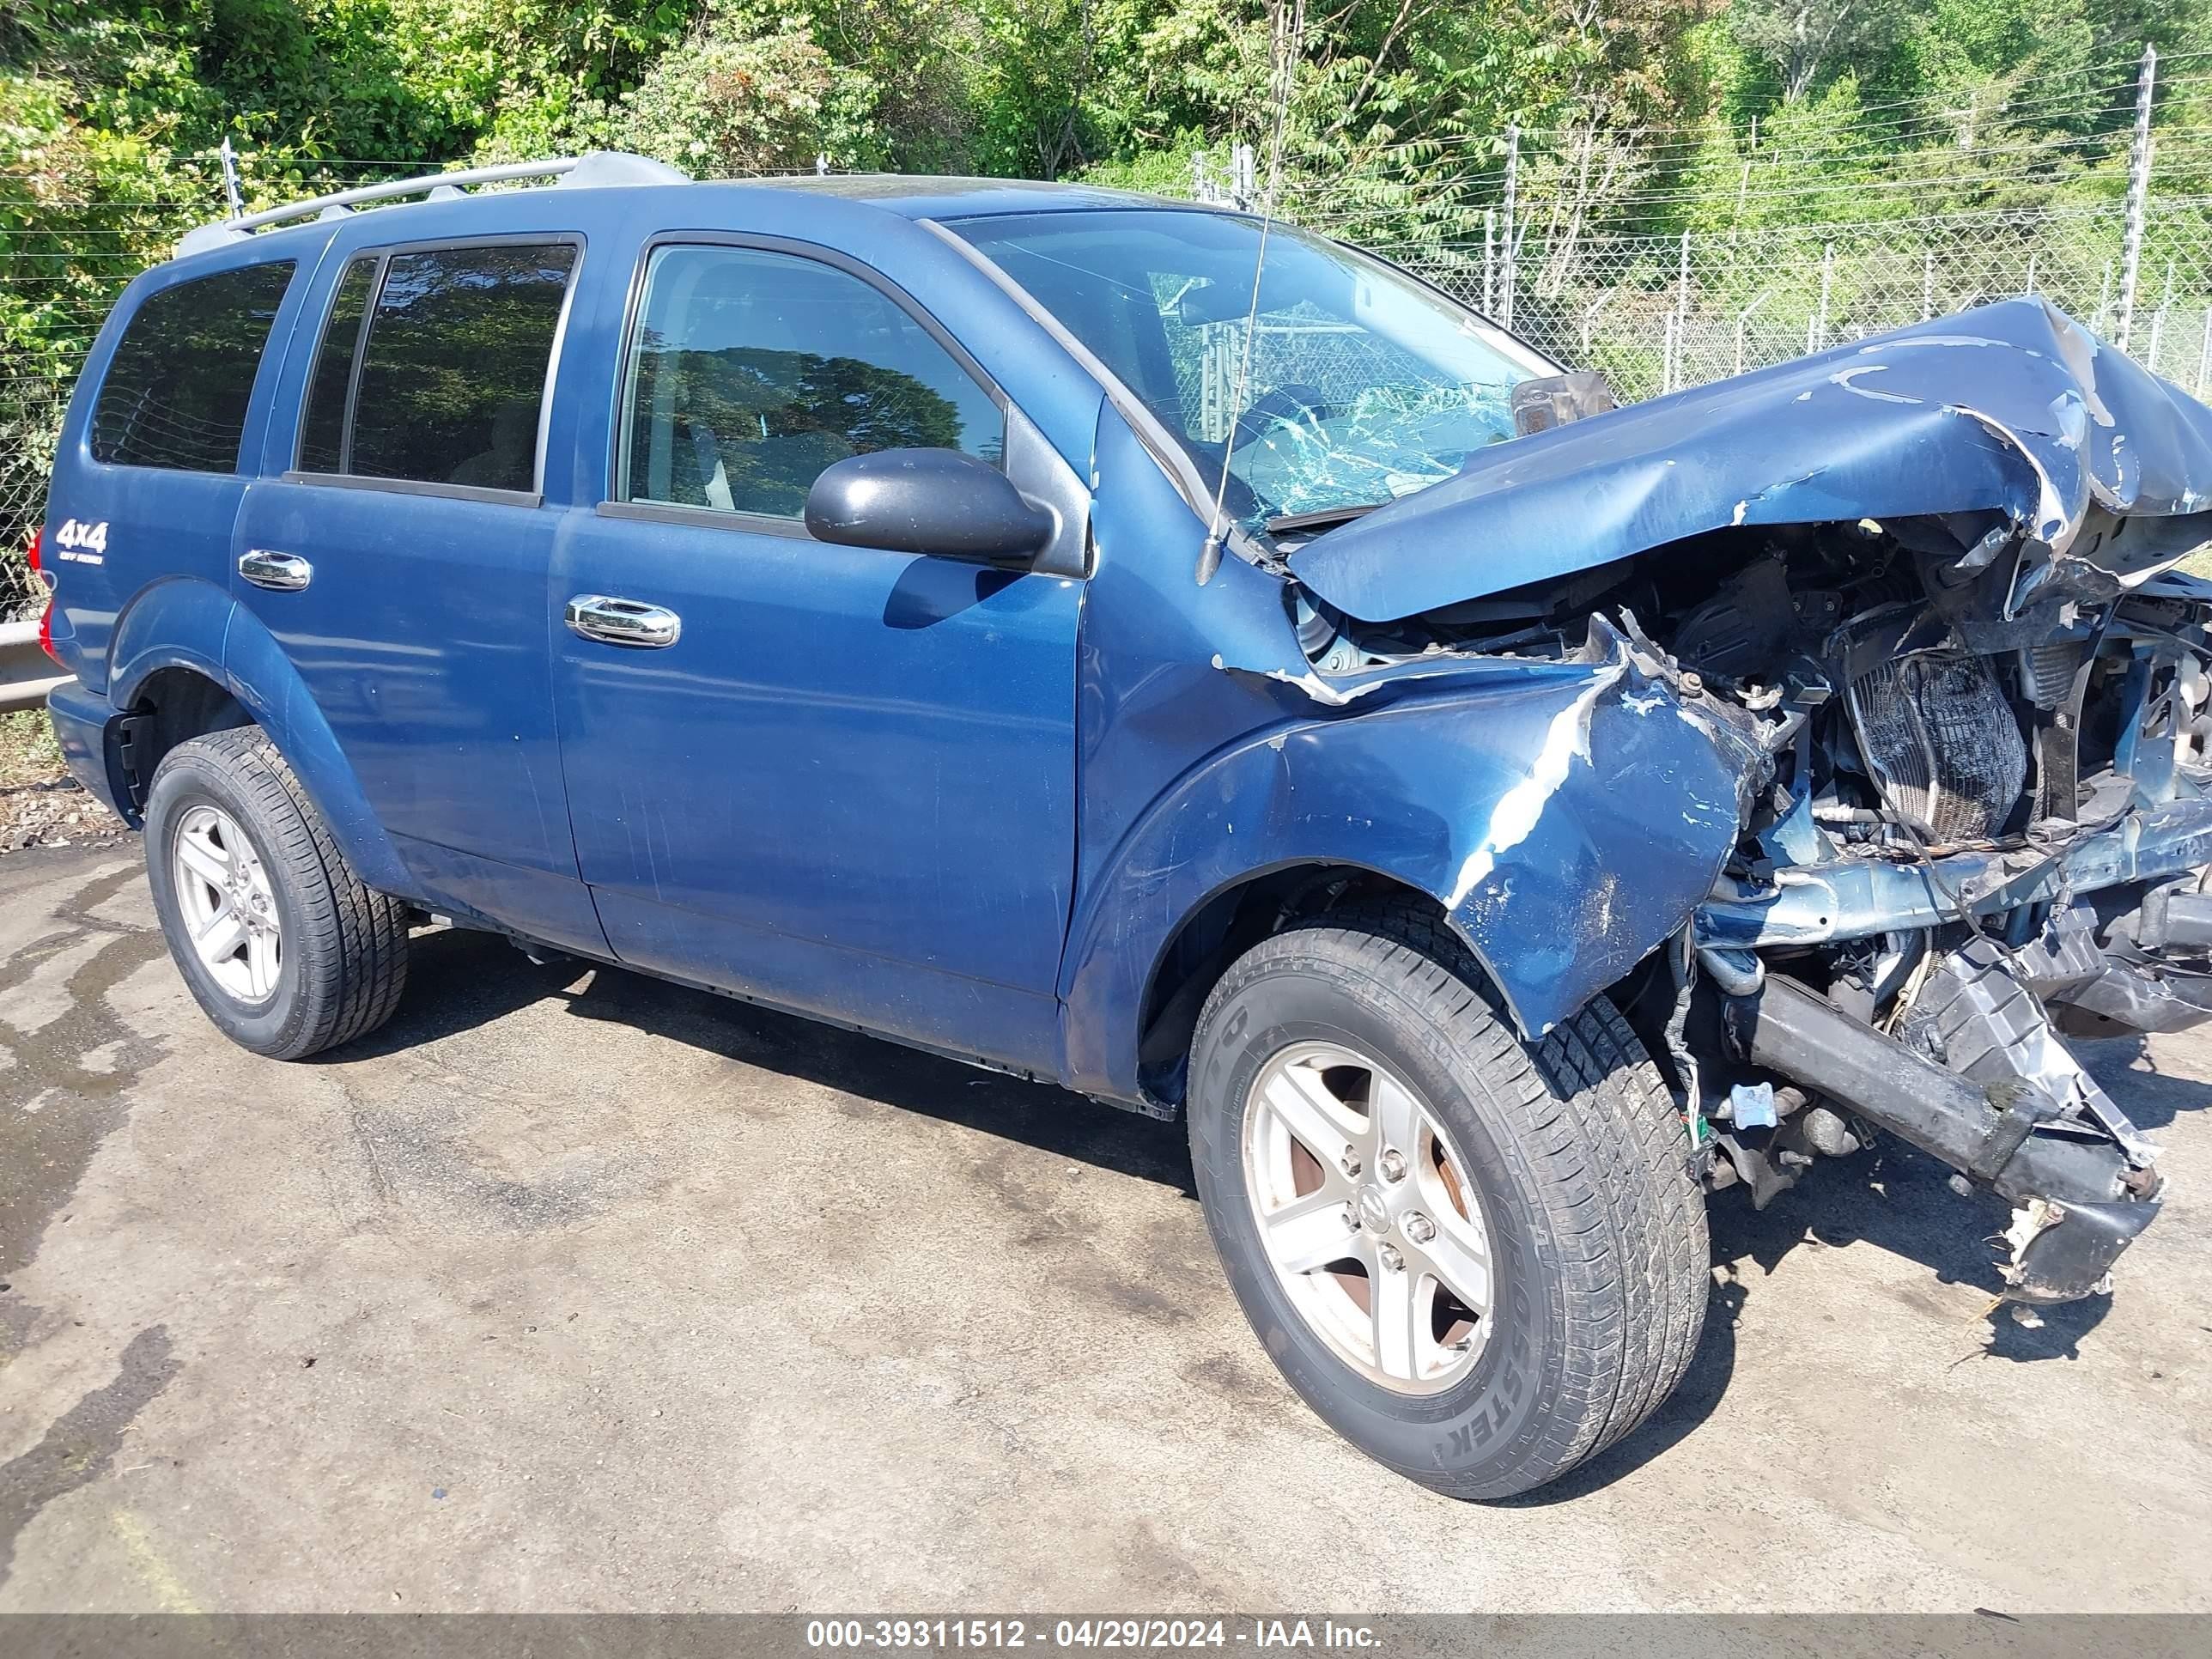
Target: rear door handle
(623,622)
(286,572)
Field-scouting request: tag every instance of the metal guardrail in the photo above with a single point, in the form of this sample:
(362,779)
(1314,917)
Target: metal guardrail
(27,674)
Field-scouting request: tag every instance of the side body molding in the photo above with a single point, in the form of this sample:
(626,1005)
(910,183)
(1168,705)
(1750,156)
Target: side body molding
(194,624)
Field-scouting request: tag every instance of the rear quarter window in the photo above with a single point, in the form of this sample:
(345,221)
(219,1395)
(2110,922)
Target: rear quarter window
(177,390)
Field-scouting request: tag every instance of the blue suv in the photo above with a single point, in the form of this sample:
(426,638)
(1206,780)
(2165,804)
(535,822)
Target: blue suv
(1130,644)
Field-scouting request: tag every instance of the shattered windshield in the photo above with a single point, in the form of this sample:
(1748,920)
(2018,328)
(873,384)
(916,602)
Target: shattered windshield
(1363,386)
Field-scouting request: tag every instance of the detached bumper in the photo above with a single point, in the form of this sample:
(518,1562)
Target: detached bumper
(1791,1029)
(2063,1252)
(2083,1193)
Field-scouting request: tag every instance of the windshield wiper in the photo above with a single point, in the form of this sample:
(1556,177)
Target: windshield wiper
(1326,518)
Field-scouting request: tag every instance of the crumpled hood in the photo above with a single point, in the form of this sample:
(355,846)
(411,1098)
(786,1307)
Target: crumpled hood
(2013,408)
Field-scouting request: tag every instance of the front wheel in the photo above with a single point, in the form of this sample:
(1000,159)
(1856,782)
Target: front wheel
(1481,1261)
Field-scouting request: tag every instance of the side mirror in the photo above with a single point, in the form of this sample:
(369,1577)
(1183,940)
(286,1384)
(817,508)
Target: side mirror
(928,500)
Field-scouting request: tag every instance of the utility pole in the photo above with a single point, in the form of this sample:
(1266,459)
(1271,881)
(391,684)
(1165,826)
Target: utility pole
(231,194)
(1244,177)
(1816,332)
(1490,262)
(2138,197)
(1512,192)
(2157,321)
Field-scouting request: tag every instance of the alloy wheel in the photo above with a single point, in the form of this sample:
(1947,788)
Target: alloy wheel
(229,907)
(1367,1217)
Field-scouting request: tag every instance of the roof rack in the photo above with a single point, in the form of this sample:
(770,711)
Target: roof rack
(600,168)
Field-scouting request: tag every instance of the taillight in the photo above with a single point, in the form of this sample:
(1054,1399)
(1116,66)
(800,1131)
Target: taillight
(46,616)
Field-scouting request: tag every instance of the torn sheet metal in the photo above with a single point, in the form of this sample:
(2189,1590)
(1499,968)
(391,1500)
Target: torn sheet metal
(1571,816)
(1591,856)
(2012,408)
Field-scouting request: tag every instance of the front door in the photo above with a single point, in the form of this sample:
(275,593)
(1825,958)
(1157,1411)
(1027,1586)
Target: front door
(838,779)
(402,563)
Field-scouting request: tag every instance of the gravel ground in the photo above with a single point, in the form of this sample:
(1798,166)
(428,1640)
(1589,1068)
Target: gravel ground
(573,1291)
(40,804)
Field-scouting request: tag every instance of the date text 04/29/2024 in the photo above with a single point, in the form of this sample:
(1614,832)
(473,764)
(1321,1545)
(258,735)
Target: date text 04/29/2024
(924,1635)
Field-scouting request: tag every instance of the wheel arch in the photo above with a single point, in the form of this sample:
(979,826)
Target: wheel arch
(189,660)
(1220,927)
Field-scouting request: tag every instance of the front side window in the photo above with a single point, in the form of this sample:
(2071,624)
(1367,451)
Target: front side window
(177,390)
(1361,385)
(752,371)
(450,376)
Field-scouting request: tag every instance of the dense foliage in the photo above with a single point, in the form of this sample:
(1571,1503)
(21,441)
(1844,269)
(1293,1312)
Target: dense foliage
(1641,115)
(1767,123)
(124,99)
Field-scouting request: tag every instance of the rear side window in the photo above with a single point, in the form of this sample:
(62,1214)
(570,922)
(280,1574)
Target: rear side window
(751,371)
(448,382)
(176,392)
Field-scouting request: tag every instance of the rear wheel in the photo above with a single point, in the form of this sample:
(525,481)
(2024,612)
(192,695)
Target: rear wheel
(282,947)
(1481,1261)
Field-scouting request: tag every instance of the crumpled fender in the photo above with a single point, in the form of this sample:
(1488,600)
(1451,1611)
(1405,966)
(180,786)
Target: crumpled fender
(2012,408)
(1568,816)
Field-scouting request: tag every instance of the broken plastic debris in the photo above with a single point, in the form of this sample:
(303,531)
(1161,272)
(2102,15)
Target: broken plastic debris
(1751,1106)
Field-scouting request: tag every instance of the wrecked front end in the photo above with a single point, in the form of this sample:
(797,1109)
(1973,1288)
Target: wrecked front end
(1920,597)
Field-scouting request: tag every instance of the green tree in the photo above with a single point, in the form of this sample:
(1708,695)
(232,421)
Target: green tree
(1801,40)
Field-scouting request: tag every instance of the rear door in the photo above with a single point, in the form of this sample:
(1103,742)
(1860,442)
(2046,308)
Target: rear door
(401,561)
(838,779)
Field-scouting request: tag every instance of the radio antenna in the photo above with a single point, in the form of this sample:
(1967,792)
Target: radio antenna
(1284,43)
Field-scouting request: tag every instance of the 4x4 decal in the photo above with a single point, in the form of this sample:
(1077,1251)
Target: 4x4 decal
(81,542)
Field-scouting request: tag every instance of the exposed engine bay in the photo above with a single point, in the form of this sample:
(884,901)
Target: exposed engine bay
(1973,823)
(1848,728)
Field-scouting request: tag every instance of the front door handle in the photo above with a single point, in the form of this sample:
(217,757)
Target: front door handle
(286,572)
(623,622)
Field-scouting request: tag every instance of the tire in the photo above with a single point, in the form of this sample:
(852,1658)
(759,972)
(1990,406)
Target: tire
(341,955)
(1598,1263)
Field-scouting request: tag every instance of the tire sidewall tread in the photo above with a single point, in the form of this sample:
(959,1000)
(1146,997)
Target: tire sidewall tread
(1597,1230)
(345,945)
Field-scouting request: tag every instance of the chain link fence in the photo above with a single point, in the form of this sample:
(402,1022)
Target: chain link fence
(1659,312)
(30,417)
(63,262)
(1655,313)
